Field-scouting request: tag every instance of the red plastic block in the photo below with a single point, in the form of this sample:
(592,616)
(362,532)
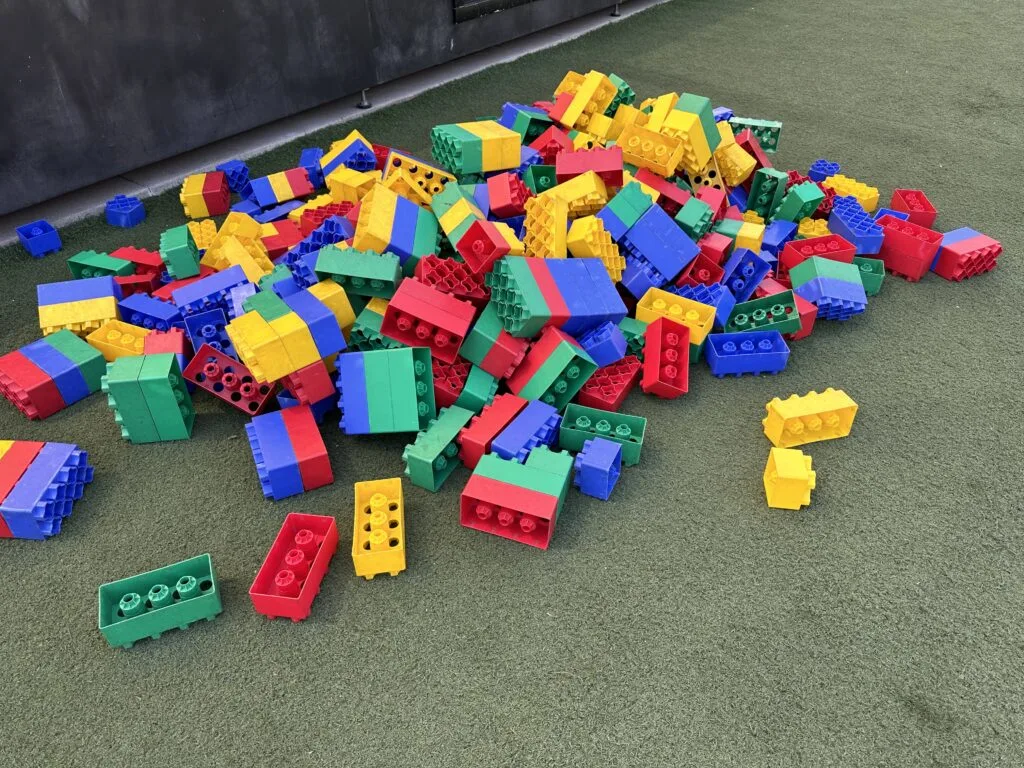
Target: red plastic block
(287,236)
(353,215)
(507,510)
(172,340)
(308,444)
(701,271)
(310,384)
(475,438)
(227,379)
(165,291)
(421,316)
(545,105)
(540,352)
(313,217)
(505,355)
(5,532)
(560,105)
(144,261)
(716,200)
(834,247)
(481,246)
(607,387)
(148,282)
(453,277)
(506,195)
(216,194)
(808,312)
(907,249)
(15,462)
(968,258)
(715,246)
(749,142)
(381,153)
(916,203)
(449,381)
(670,197)
(666,370)
(291,574)
(606,163)
(733,212)
(28,387)
(551,144)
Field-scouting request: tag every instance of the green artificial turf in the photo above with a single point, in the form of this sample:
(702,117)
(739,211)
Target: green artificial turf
(682,623)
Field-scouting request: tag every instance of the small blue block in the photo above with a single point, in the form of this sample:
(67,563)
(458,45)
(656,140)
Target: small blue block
(309,159)
(715,295)
(821,169)
(124,211)
(722,114)
(210,327)
(777,234)
(537,424)
(149,312)
(208,292)
(272,450)
(606,343)
(743,272)
(738,196)
(756,352)
(901,215)
(237,174)
(39,238)
(597,468)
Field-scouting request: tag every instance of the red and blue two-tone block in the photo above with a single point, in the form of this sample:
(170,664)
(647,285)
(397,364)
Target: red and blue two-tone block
(289,452)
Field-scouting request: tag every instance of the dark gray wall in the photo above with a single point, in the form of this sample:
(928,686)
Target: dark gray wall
(95,88)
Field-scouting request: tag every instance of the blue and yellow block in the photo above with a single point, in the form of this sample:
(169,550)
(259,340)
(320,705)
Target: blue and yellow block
(278,187)
(354,151)
(389,222)
(388,390)
(80,306)
(39,483)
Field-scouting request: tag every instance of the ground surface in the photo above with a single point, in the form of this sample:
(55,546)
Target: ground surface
(681,624)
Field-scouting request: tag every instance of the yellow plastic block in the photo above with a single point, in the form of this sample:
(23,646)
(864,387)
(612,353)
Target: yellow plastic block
(588,238)
(297,340)
(428,178)
(515,245)
(687,129)
(570,83)
(339,146)
(547,218)
(191,196)
(237,225)
(401,183)
(799,420)
(203,232)
(5,446)
(234,253)
(649,149)
(584,140)
(593,96)
(696,316)
(317,202)
(788,479)
(80,317)
(282,188)
(378,305)
(660,109)
(753,216)
(625,115)
(846,186)
(116,338)
(709,176)
(750,236)
(458,213)
(499,145)
(812,228)
(376,217)
(585,194)
(651,192)
(347,185)
(735,163)
(378,530)
(259,347)
(333,297)
(599,126)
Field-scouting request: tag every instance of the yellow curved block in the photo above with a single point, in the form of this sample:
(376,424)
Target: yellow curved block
(696,316)
(799,420)
(378,528)
(788,479)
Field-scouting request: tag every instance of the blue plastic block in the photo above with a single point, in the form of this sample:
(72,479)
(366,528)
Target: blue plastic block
(821,169)
(358,156)
(39,238)
(247,206)
(615,226)
(45,493)
(309,159)
(48,294)
(777,234)
(276,464)
(606,344)
(301,265)
(210,327)
(351,384)
(835,299)
(738,196)
(403,229)
(65,373)
(283,285)
(237,174)
(756,352)
(527,156)
(537,424)
(149,312)
(276,212)
(902,215)
(482,198)
(236,296)
(124,211)
(301,259)
(657,250)
(258,190)
(285,399)
(517,224)
(743,272)
(851,221)
(322,324)
(588,293)
(597,468)
(722,114)
(210,292)
(510,111)
(715,295)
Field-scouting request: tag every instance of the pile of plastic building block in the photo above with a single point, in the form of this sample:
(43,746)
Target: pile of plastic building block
(496,303)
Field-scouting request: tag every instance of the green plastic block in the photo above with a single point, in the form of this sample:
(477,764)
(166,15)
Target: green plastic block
(508,471)
(777,312)
(767,188)
(633,330)
(363,273)
(728,227)
(482,336)
(434,455)
(154,602)
(126,400)
(479,390)
(697,351)
(800,202)
(630,204)
(695,218)
(443,201)
(818,266)
(456,149)
(560,377)
(558,463)
(399,389)
(267,304)
(539,178)
(530,125)
(518,299)
(701,107)
(167,397)
(425,241)
(623,94)
(179,253)
(89,360)
(279,273)
(767,132)
(379,398)
(872,272)
(93,264)
(365,335)
(580,423)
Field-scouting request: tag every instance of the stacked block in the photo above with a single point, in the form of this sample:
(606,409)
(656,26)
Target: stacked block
(385,391)
(418,315)
(289,452)
(48,375)
(554,369)
(834,287)
(965,253)
(277,188)
(39,484)
(205,194)
(388,222)
(148,396)
(475,147)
